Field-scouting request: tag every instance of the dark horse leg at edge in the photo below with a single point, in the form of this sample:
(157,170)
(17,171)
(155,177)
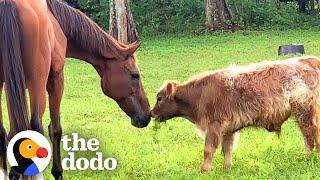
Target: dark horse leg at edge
(35,38)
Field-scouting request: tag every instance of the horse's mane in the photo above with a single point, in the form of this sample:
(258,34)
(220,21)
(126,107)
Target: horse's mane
(84,34)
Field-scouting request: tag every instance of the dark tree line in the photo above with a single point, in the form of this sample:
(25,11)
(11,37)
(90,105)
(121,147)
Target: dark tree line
(303,5)
(307,4)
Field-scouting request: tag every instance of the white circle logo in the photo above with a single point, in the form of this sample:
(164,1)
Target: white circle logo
(29,153)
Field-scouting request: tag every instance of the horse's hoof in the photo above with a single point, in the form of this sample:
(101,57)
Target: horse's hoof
(13,175)
(57,177)
(57,174)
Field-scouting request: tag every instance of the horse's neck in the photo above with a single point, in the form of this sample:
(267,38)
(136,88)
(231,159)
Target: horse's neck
(83,55)
(86,39)
(103,49)
(96,62)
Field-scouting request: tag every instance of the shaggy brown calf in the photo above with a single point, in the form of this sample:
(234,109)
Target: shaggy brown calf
(261,95)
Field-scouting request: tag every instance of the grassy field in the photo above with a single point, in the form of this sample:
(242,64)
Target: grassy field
(174,151)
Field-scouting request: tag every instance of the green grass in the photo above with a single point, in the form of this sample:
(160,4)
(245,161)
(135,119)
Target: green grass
(175,150)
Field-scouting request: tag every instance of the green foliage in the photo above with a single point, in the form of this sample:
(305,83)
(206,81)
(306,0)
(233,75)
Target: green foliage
(252,15)
(168,16)
(154,17)
(98,10)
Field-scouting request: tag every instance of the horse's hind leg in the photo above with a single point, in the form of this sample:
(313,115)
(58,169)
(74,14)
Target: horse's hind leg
(3,136)
(37,92)
(305,117)
(3,143)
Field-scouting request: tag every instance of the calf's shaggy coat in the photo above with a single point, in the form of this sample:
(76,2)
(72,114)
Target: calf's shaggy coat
(261,95)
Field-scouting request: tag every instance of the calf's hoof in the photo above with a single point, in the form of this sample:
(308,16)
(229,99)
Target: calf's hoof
(205,169)
(227,167)
(307,151)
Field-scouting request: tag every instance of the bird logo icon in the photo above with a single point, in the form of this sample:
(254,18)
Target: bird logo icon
(29,153)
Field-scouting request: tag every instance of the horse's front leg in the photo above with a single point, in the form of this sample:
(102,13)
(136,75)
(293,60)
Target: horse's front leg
(55,90)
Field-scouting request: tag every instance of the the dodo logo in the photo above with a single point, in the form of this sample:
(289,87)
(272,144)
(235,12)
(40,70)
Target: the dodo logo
(29,153)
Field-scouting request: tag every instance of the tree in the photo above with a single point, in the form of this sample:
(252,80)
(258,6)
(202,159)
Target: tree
(218,14)
(302,5)
(121,24)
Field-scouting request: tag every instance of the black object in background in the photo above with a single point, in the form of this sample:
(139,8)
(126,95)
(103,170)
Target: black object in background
(291,49)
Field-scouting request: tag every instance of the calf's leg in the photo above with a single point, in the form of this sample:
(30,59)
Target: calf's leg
(316,121)
(318,137)
(214,131)
(305,117)
(227,148)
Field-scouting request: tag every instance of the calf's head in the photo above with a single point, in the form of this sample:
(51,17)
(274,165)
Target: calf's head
(166,106)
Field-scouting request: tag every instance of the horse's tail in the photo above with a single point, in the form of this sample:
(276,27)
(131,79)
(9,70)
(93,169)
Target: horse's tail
(10,49)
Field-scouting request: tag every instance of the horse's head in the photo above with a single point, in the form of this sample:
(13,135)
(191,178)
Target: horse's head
(121,81)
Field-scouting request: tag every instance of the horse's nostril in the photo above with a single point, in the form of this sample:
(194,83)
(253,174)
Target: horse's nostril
(142,120)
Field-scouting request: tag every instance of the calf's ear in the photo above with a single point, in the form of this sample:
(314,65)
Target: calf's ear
(170,88)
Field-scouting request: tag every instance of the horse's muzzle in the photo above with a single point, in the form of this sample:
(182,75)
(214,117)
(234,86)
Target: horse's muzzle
(141,120)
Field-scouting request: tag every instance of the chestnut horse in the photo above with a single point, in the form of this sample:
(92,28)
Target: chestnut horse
(35,38)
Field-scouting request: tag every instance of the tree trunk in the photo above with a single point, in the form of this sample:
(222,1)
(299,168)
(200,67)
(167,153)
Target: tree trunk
(302,5)
(121,24)
(312,4)
(217,14)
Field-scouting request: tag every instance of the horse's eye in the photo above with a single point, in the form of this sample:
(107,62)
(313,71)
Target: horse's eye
(159,98)
(135,76)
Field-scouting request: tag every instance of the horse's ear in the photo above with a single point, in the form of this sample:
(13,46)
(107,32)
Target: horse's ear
(133,47)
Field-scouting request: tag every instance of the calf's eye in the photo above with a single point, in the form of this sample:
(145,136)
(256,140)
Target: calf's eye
(159,98)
